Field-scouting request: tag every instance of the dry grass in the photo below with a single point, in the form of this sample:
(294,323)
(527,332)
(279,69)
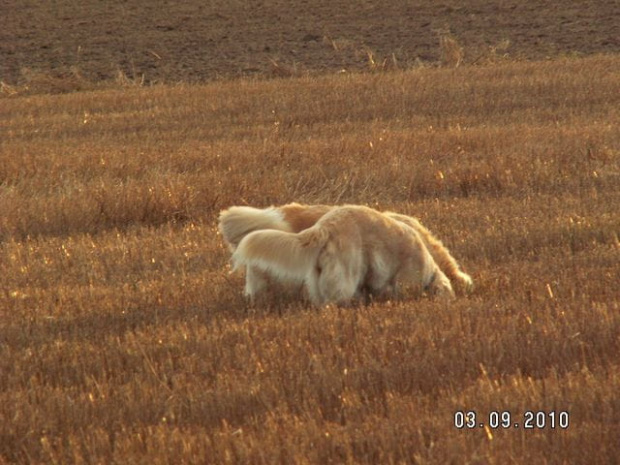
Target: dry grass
(452,52)
(124,340)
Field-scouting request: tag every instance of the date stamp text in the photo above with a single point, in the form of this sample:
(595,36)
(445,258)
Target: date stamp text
(529,420)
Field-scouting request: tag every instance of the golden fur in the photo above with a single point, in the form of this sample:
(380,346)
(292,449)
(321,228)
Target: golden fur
(350,248)
(237,222)
(446,262)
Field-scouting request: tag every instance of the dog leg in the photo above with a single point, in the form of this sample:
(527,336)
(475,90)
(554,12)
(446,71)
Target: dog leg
(338,287)
(255,281)
(340,274)
(312,286)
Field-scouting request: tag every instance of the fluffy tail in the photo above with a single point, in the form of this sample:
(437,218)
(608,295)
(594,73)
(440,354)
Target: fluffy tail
(445,261)
(237,222)
(284,255)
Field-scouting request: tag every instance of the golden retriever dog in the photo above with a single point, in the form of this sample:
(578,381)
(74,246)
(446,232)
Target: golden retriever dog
(446,262)
(350,248)
(238,221)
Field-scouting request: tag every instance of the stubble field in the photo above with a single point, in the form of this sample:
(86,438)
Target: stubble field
(123,337)
(125,340)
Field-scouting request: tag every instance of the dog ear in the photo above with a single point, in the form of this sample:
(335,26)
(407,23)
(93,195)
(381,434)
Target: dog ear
(440,286)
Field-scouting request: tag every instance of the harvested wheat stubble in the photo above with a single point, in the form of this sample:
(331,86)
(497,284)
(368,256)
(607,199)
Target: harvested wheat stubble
(125,340)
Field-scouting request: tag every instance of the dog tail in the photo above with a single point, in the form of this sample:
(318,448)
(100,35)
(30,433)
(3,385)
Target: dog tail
(287,256)
(440,253)
(237,222)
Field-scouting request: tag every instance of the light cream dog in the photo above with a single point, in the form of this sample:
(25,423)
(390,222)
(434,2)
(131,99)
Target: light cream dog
(446,262)
(349,249)
(238,221)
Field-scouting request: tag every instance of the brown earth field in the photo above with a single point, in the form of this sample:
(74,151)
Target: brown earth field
(164,41)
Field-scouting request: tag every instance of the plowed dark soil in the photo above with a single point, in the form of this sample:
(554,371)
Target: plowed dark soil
(165,41)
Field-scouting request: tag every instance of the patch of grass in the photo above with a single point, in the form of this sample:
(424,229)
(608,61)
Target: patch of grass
(124,338)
